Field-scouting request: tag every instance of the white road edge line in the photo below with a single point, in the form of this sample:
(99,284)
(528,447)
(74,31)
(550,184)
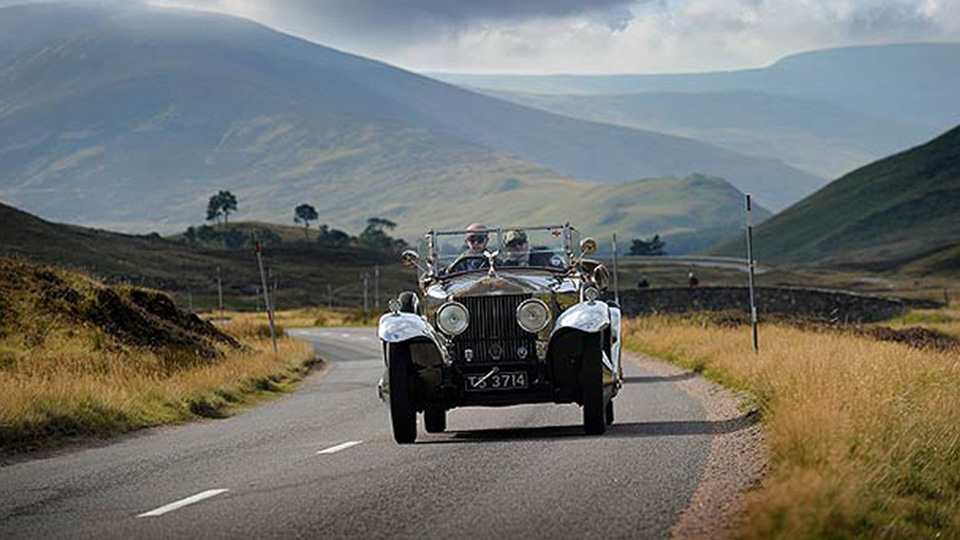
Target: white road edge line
(183,502)
(339,447)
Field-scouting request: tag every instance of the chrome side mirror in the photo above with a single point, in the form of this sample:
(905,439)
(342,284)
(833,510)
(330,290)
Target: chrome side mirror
(411,259)
(588,246)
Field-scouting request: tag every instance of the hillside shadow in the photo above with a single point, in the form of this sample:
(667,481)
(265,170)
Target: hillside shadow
(679,428)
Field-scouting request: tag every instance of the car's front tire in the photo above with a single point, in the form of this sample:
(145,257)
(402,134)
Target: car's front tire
(594,412)
(402,414)
(435,419)
(609,413)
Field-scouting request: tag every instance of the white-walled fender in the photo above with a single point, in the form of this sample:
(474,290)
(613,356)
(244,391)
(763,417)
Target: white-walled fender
(400,327)
(616,335)
(587,317)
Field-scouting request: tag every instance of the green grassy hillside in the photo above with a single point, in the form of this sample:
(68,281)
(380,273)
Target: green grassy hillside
(889,214)
(303,272)
(130,118)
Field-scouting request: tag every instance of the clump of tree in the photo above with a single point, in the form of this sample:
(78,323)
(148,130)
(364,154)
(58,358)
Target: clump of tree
(232,238)
(375,236)
(303,215)
(328,237)
(221,206)
(648,248)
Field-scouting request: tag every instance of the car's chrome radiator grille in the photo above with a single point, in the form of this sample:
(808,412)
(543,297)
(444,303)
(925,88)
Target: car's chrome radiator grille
(493,334)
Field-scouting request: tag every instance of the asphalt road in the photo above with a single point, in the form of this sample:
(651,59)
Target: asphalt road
(321,463)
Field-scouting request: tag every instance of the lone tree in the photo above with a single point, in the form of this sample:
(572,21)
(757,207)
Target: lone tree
(213,209)
(305,214)
(652,247)
(221,205)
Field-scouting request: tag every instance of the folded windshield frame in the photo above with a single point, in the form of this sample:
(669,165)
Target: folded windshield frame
(549,247)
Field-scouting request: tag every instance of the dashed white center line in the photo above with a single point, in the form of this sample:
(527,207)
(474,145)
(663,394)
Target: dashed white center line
(339,447)
(183,502)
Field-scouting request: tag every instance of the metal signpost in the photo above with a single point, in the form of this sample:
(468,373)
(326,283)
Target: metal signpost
(366,304)
(376,287)
(266,298)
(220,292)
(751,264)
(616,282)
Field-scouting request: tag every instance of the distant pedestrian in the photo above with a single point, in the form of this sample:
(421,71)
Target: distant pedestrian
(643,283)
(692,280)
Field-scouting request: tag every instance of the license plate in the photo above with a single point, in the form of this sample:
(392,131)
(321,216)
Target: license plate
(498,381)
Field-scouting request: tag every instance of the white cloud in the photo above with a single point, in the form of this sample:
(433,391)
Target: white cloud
(595,36)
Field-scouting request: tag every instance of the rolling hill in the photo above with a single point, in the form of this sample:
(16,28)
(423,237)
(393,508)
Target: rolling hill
(899,212)
(818,136)
(130,117)
(152,261)
(911,83)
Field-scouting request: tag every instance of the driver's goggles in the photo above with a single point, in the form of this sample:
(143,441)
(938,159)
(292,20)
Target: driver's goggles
(477,239)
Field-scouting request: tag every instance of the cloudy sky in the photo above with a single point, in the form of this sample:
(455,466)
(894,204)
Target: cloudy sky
(594,36)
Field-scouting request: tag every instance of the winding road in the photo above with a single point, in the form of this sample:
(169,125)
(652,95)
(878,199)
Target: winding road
(321,463)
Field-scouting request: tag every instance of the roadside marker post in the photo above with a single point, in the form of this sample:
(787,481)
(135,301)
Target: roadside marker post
(616,281)
(751,264)
(266,298)
(363,283)
(376,287)
(220,292)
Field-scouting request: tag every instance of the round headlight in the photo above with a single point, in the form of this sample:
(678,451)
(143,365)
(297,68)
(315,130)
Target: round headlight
(453,318)
(533,315)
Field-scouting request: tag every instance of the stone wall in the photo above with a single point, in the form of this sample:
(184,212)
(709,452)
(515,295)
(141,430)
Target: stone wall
(819,304)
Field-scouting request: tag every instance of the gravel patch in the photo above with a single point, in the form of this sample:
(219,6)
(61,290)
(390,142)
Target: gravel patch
(737,460)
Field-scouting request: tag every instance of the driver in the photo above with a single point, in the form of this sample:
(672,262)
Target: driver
(473,258)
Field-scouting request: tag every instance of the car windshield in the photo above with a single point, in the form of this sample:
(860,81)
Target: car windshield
(455,252)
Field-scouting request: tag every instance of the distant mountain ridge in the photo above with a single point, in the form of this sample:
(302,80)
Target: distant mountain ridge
(827,111)
(886,215)
(911,82)
(128,118)
(813,135)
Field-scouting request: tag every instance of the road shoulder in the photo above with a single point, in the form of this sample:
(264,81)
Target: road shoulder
(737,460)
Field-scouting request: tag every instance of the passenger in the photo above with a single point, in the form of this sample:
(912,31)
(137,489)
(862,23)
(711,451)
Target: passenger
(473,258)
(518,249)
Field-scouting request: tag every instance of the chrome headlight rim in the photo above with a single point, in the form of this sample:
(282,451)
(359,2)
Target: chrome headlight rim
(533,329)
(457,306)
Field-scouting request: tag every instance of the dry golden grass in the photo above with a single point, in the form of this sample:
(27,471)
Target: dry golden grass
(863,436)
(305,317)
(73,381)
(946,320)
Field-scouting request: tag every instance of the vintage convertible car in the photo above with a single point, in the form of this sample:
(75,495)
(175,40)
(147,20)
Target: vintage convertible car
(509,316)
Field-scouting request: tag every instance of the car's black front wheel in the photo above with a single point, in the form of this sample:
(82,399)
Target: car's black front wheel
(435,419)
(594,412)
(609,413)
(403,416)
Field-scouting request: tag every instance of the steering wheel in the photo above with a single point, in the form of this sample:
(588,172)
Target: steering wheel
(468,262)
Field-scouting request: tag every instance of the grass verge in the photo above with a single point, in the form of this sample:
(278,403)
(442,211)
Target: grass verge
(863,435)
(305,317)
(78,358)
